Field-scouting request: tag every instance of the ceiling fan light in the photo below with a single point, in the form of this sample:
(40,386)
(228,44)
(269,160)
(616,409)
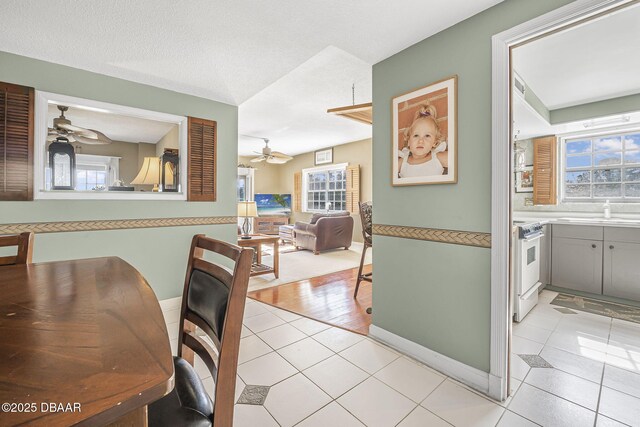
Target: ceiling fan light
(276,161)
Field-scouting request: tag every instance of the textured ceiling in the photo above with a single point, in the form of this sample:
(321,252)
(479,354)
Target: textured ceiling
(231,51)
(595,61)
(292,112)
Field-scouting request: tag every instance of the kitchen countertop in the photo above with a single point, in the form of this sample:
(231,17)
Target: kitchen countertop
(569,219)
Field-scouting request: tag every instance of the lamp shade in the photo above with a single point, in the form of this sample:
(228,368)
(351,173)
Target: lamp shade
(247,209)
(149,172)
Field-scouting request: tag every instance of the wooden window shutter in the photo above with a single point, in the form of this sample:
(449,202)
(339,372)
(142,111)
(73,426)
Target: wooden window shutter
(201,174)
(353,188)
(544,171)
(16,142)
(297,192)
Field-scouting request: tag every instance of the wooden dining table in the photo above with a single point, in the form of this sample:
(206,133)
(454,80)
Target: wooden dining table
(82,342)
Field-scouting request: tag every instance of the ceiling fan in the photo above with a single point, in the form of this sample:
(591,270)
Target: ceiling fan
(275,157)
(62,127)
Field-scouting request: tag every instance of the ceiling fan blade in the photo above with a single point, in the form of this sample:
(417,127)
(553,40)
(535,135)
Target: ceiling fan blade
(257,159)
(101,138)
(276,160)
(78,130)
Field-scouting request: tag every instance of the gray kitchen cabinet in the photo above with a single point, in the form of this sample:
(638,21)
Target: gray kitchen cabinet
(545,255)
(576,264)
(621,270)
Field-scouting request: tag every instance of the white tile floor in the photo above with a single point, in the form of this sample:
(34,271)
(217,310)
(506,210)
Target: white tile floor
(325,376)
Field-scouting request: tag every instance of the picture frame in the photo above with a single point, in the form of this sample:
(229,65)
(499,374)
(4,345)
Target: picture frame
(323,157)
(431,109)
(524,180)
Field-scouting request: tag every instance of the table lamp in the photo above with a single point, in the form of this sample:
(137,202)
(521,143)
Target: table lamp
(247,210)
(149,173)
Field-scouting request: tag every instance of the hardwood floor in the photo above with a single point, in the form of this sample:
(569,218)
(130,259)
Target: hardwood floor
(327,298)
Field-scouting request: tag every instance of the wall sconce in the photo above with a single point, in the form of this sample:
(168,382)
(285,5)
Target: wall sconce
(149,173)
(170,164)
(247,210)
(62,161)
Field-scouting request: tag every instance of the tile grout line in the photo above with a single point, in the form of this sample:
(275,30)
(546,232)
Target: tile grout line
(408,413)
(604,367)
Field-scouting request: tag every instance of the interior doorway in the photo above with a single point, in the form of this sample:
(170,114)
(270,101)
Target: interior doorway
(504,270)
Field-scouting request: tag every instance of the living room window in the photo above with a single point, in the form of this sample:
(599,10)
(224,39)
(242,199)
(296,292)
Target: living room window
(325,188)
(602,167)
(245,184)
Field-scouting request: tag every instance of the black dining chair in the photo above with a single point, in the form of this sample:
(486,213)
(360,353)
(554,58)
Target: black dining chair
(213,300)
(366,213)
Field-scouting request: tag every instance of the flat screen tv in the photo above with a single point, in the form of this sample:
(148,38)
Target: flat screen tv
(273,204)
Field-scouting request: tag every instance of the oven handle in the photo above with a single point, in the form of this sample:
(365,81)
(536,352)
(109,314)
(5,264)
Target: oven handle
(533,238)
(530,292)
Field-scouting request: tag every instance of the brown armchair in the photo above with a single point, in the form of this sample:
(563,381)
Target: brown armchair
(324,231)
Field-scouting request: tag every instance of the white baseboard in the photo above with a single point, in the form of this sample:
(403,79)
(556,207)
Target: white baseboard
(497,387)
(473,377)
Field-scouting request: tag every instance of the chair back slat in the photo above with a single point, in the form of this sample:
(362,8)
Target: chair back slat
(202,349)
(24,255)
(222,248)
(204,325)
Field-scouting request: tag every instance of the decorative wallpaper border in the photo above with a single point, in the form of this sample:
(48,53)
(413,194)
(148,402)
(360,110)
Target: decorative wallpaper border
(113,224)
(455,237)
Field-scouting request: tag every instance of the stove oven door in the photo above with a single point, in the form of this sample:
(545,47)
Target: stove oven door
(529,276)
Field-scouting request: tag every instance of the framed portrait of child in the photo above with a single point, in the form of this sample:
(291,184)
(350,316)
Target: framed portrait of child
(424,135)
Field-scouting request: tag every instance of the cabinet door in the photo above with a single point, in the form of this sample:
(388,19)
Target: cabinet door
(622,270)
(545,255)
(577,264)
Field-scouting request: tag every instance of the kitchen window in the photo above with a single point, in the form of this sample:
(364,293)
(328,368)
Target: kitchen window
(602,167)
(325,188)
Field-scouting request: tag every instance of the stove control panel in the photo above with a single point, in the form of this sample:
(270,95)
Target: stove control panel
(528,230)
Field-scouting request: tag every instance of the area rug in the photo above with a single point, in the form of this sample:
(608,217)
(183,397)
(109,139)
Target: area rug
(301,265)
(603,308)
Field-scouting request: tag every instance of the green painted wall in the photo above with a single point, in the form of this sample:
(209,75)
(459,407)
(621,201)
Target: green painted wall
(159,253)
(608,107)
(438,295)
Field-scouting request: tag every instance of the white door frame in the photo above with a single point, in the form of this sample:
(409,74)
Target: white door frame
(501,171)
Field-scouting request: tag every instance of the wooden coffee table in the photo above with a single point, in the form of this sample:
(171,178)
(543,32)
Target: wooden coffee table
(256,241)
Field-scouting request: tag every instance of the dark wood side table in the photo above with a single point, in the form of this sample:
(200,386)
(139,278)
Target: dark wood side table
(256,241)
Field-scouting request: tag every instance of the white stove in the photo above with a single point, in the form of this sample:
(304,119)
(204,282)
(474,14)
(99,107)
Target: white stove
(527,269)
